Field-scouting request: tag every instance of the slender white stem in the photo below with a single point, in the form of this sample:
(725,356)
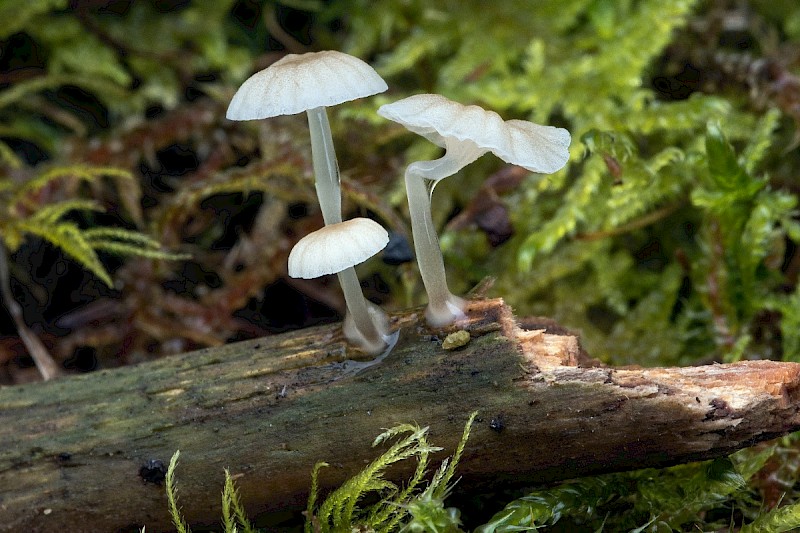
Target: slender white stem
(426,246)
(326,169)
(443,306)
(370,322)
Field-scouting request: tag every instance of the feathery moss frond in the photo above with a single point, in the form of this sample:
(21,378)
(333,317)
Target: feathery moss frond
(424,511)
(233,513)
(761,140)
(777,520)
(339,510)
(446,472)
(172,496)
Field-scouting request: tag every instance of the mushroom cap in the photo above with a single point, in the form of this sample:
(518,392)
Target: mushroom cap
(299,82)
(336,247)
(537,148)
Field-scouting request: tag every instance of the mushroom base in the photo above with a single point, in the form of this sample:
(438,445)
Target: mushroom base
(446,313)
(356,338)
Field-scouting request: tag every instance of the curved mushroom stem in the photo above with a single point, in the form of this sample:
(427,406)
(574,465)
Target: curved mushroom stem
(443,306)
(365,325)
(326,169)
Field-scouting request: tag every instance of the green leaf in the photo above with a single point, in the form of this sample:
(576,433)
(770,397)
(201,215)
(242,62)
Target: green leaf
(68,237)
(723,165)
(16,15)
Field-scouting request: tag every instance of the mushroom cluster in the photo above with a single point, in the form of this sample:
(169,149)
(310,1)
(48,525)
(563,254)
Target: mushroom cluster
(313,81)
(466,133)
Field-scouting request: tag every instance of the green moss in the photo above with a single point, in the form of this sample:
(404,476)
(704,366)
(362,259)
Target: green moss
(407,508)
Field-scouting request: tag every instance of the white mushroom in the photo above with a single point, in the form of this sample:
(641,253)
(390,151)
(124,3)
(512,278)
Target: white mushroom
(466,133)
(309,82)
(336,249)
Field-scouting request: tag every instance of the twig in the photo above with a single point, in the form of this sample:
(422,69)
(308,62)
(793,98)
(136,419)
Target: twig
(45,363)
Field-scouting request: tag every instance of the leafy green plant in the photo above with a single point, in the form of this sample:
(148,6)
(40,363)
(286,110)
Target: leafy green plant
(708,495)
(637,238)
(703,495)
(22,212)
(172,495)
(399,509)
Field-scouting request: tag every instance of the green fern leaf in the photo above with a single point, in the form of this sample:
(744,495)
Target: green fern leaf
(69,238)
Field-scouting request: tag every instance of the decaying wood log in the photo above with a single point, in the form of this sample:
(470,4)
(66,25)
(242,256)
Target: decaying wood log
(72,450)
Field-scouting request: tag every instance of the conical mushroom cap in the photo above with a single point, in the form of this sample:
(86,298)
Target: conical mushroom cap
(537,148)
(336,247)
(299,82)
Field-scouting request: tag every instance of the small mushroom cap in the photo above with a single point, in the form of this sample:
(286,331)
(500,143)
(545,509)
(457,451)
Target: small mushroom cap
(336,247)
(299,82)
(537,148)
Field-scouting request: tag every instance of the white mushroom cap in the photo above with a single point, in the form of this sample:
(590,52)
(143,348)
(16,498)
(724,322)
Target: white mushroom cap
(537,148)
(336,247)
(299,82)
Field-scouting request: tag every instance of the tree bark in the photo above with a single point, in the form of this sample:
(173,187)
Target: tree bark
(71,450)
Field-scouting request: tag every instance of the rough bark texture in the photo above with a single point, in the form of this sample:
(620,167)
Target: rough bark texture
(71,449)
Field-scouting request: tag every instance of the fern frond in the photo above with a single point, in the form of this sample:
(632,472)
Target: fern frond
(577,203)
(121,241)
(124,249)
(120,235)
(678,495)
(83,244)
(789,307)
(23,89)
(389,513)
(69,238)
(79,172)
(49,215)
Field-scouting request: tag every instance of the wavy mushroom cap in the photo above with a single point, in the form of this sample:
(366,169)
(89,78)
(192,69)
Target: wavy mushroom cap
(336,247)
(537,148)
(299,82)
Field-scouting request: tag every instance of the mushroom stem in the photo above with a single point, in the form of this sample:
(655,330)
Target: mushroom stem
(326,170)
(369,323)
(443,306)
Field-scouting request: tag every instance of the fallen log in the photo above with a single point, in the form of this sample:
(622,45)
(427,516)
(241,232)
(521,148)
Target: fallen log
(81,453)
